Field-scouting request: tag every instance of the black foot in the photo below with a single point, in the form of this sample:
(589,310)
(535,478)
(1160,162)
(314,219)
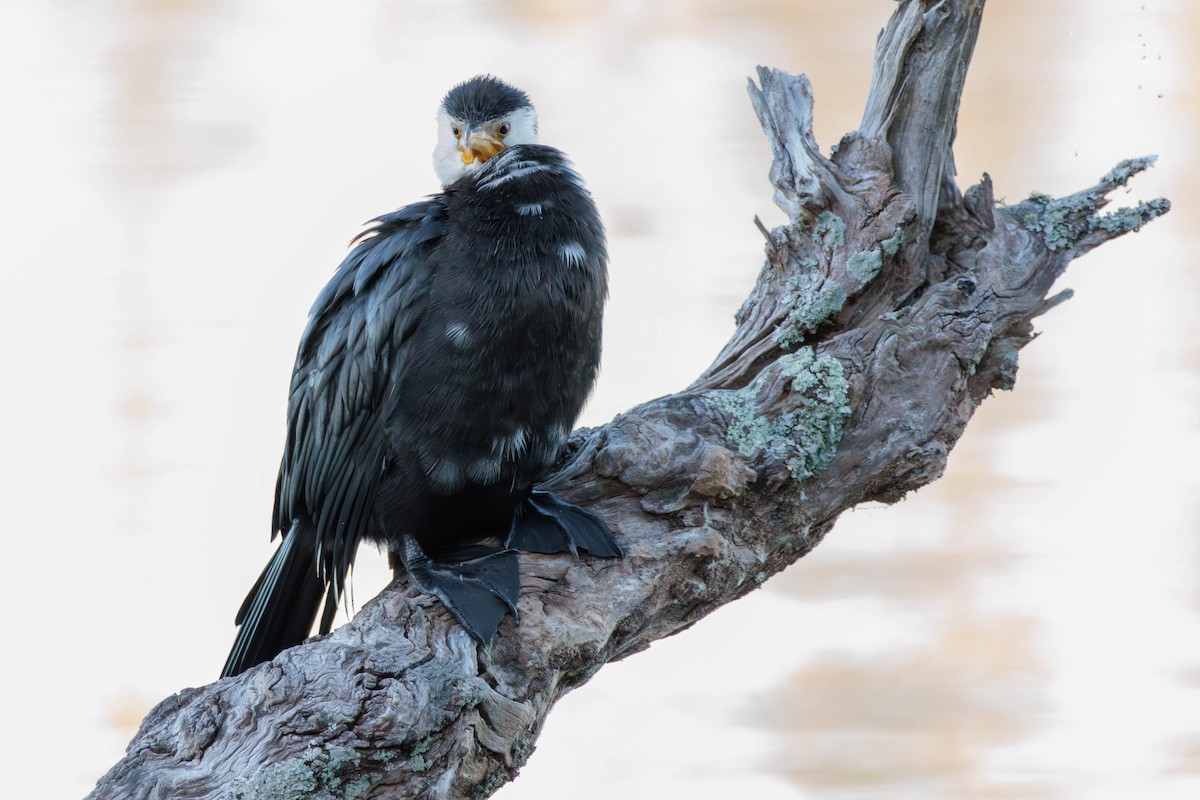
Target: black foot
(545,524)
(478,591)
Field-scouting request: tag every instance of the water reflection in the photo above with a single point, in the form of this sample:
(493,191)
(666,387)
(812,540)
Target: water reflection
(922,723)
(153,54)
(182,176)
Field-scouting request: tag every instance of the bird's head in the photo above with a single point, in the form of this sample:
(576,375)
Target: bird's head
(477,119)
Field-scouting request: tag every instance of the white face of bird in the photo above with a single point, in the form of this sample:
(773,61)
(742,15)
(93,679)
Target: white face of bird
(463,147)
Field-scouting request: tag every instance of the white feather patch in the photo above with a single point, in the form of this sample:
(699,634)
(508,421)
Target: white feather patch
(510,447)
(459,335)
(573,253)
(511,172)
(446,475)
(485,470)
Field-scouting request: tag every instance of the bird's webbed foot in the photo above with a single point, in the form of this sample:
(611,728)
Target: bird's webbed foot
(545,524)
(478,590)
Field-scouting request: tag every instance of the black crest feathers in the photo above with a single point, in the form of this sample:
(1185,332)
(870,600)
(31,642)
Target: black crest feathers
(482,98)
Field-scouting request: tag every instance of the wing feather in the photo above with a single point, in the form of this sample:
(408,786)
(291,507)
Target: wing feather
(351,353)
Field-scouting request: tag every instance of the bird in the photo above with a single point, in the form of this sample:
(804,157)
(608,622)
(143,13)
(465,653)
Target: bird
(438,375)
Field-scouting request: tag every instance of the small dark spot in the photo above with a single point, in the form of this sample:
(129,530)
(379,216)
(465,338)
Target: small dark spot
(966,286)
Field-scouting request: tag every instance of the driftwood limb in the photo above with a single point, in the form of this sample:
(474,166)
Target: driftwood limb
(889,307)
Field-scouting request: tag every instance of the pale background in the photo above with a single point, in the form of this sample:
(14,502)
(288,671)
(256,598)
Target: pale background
(178,179)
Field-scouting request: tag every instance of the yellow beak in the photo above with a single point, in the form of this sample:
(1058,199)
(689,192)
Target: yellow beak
(477,144)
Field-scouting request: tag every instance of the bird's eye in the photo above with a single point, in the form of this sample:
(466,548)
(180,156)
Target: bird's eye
(455,130)
(504,129)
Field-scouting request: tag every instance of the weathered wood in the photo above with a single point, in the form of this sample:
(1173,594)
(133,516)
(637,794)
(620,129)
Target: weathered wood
(889,307)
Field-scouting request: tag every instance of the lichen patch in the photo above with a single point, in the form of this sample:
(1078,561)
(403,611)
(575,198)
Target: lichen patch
(804,436)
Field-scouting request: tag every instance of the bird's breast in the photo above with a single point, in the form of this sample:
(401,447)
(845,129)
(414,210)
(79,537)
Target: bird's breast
(509,347)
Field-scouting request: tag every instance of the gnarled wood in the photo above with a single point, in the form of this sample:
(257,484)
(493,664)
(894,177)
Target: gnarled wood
(889,307)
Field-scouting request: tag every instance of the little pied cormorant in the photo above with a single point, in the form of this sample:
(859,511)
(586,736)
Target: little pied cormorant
(439,374)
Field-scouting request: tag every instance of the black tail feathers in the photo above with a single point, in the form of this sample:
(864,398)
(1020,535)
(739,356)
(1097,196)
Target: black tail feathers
(280,609)
(545,524)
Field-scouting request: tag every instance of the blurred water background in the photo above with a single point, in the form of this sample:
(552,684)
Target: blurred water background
(178,179)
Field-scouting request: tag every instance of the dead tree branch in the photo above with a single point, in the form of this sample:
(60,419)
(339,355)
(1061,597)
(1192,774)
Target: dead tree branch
(889,307)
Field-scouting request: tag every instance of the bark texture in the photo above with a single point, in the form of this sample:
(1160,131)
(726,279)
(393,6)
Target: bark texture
(888,308)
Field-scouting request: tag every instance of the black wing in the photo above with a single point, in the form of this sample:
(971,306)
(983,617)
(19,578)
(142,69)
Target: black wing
(352,355)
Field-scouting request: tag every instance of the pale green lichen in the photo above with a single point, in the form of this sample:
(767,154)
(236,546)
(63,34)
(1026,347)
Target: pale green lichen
(865,265)
(290,780)
(1061,222)
(341,760)
(892,246)
(417,761)
(804,439)
(830,229)
(1125,220)
(1064,222)
(810,297)
(314,775)
(1121,173)
(810,300)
